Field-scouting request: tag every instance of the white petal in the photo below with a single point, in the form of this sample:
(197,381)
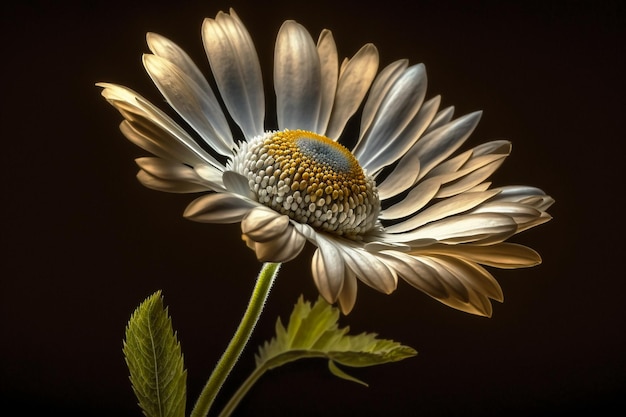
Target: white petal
(237,71)
(262,224)
(417,198)
(400,105)
(283,248)
(380,87)
(481,228)
(397,182)
(198,107)
(394,150)
(469,286)
(169,186)
(219,208)
(430,150)
(238,184)
(211,175)
(147,124)
(327,51)
(168,170)
(417,273)
(297,78)
(448,207)
(503,255)
(369,269)
(165,48)
(442,142)
(347,297)
(475,277)
(328,269)
(441,118)
(355,79)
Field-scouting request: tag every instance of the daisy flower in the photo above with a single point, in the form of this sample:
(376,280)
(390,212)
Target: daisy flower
(402,203)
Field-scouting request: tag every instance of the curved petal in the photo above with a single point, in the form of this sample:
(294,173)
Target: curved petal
(237,71)
(200,109)
(481,228)
(168,186)
(502,255)
(328,269)
(400,105)
(441,118)
(170,170)
(354,81)
(417,198)
(238,184)
(369,268)
(347,296)
(439,144)
(417,273)
(146,124)
(218,208)
(297,78)
(283,248)
(383,82)
(446,208)
(262,224)
(329,65)
(395,149)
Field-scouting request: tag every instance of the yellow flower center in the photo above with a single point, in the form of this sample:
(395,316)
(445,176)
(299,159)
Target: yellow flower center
(310,178)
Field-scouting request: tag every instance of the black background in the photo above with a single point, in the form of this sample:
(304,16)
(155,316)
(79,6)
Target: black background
(84,242)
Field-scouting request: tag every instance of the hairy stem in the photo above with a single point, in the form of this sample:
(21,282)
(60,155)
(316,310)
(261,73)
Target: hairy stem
(238,342)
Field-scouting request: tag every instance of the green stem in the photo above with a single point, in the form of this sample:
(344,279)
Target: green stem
(238,342)
(259,371)
(242,391)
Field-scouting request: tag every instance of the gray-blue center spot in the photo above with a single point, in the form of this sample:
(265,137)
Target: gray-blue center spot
(324,154)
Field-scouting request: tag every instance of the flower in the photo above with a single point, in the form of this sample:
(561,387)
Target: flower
(401,203)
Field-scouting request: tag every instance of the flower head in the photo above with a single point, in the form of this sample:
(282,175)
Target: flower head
(401,203)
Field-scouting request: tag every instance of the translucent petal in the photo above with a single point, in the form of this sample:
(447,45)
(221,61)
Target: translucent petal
(219,208)
(168,186)
(347,296)
(165,48)
(354,81)
(238,184)
(237,71)
(329,65)
(297,78)
(417,273)
(482,228)
(441,118)
(417,198)
(448,207)
(369,269)
(328,269)
(400,105)
(383,82)
(283,248)
(148,124)
(395,149)
(395,184)
(262,224)
(200,109)
(170,170)
(430,150)
(502,255)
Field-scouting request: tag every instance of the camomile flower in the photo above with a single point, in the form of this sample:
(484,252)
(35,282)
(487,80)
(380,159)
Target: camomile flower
(403,202)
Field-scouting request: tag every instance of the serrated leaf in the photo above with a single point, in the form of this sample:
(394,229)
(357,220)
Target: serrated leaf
(155,361)
(313,331)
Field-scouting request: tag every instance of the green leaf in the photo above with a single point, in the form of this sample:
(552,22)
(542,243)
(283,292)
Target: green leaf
(313,331)
(155,361)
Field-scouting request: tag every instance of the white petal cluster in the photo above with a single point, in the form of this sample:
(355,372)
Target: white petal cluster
(429,215)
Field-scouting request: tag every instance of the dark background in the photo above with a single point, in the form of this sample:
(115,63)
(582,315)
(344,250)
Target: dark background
(84,242)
